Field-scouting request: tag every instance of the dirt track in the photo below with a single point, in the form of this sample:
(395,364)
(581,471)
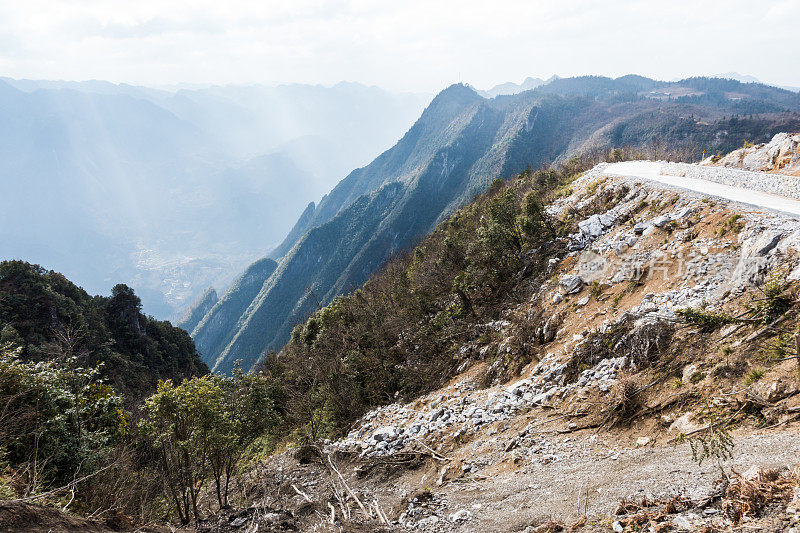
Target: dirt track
(604,474)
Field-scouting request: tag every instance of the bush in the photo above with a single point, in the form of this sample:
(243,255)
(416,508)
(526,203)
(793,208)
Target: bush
(753,376)
(732,224)
(59,420)
(707,320)
(774,300)
(713,443)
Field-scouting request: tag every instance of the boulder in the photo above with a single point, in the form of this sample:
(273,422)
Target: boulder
(685,425)
(571,284)
(683,213)
(688,372)
(592,227)
(384,433)
(661,221)
(551,328)
(766,242)
(607,219)
(682,523)
(774,391)
(460,516)
(519,388)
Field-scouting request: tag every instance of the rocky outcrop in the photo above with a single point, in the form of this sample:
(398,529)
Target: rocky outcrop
(781,154)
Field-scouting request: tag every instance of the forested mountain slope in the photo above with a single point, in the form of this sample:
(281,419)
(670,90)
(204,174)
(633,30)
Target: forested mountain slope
(198,310)
(224,314)
(51,319)
(456,148)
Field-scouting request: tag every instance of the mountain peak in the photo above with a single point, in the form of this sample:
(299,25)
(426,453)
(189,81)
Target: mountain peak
(458,92)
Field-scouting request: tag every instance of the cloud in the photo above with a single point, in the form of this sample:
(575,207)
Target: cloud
(154,27)
(415,44)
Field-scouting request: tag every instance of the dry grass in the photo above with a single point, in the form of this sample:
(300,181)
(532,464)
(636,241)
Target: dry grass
(646,514)
(625,400)
(749,497)
(549,526)
(738,498)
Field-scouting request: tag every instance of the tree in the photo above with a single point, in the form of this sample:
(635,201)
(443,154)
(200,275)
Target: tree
(497,245)
(201,428)
(249,413)
(715,442)
(534,222)
(180,420)
(124,308)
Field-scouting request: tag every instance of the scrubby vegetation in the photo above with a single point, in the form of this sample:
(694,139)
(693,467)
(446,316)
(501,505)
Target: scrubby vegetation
(199,430)
(707,320)
(73,369)
(400,334)
(58,420)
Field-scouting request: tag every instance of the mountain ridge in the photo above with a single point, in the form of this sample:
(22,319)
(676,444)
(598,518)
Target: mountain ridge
(173,192)
(475,140)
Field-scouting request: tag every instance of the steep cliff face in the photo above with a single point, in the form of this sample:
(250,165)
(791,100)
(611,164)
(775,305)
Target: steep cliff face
(216,326)
(457,147)
(198,310)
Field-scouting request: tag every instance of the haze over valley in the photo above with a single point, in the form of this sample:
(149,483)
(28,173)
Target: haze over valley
(175,191)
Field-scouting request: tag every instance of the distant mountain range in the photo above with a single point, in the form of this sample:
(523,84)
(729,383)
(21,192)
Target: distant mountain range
(513,88)
(460,143)
(531,83)
(745,78)
(171,192)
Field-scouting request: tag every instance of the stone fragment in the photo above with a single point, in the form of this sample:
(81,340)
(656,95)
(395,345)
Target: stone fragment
(462,515)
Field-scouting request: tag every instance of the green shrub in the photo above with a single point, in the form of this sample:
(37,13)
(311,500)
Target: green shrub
(753,376)
(201,428)
(774,300)
(715,442)
(732,223)
(59,420)
(707,320)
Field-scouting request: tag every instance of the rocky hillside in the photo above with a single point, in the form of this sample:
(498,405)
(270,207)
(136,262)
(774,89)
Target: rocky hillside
(781,155)
(454,151)
(658,328)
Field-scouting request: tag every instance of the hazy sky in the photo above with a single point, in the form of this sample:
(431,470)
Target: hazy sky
(419,45)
